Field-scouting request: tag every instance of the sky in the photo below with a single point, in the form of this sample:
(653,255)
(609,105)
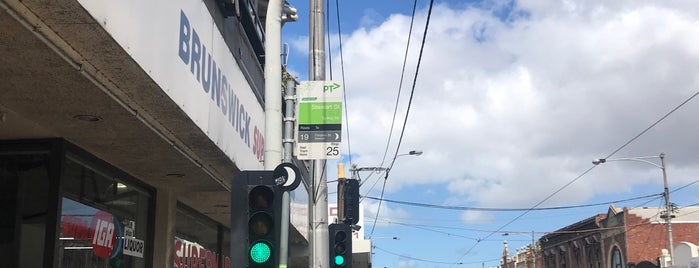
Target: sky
(512,102)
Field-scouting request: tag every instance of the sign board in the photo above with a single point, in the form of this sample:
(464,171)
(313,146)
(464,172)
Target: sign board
(133,247)
(319,112)
(187,56)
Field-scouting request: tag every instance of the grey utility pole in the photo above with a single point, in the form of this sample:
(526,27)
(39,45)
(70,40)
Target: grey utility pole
(667,214)
(318,194)
(668,210)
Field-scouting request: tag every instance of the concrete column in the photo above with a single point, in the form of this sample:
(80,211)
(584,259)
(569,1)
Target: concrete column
(164,229)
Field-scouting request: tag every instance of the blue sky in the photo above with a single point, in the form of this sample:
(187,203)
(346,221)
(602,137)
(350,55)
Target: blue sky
(513,100)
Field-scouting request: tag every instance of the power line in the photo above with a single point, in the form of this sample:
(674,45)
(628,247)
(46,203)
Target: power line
(588,170)
(413,258)
(509,209)
(344,83)
(407,111)
(400,84)
(400,89)
(342,69)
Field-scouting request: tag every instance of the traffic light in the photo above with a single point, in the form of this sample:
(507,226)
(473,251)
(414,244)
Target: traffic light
(256,210)
(350,201)
(255,219)
(261,225)
(340,245)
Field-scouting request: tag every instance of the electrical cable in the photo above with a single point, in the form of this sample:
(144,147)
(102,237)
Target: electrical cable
(511,209)
(685,186)
(344,83)
(589,169)
(400,89)
(661,195)
(407,111)
(342,70)
(413,258)
(400,84)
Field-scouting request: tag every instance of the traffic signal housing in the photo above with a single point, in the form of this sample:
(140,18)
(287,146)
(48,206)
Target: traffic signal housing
(255,219)
(340,251)
(350,202)
(261,226)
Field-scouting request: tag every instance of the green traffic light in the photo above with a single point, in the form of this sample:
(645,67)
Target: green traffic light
(260,252)
(339,260)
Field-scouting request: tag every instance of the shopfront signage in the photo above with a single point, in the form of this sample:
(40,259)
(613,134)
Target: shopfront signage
(104,234)
(133,247)
(187,56)
(191,254)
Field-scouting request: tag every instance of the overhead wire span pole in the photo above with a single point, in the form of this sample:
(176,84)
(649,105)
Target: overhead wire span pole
(318,195)
(667,215)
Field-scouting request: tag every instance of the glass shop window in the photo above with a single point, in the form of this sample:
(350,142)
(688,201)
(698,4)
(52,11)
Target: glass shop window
(199,241)
(104,219)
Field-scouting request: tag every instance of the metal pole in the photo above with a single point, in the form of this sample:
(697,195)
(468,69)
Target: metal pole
(319,192)
(533,249)
(668,211)
(288,149)
(273,111)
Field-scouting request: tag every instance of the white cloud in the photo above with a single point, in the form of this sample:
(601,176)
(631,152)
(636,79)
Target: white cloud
(507,112)
(387,214)
(476,217)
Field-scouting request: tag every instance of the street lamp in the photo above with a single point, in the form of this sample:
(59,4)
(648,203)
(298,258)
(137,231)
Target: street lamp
(666,193)
(413,152)
(354,169)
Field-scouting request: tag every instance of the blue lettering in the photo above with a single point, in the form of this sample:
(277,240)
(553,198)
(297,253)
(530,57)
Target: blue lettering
(203,66)
(184,38)
(216,93)
(232,110)
(215,78)
(196,54)
(241,117)
(224,99)
(246,130)
(206,76)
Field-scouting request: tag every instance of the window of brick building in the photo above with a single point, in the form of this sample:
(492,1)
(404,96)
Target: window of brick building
(616,258)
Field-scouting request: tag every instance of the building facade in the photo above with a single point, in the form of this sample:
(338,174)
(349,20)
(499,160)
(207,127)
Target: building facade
(620,238)
(122,124)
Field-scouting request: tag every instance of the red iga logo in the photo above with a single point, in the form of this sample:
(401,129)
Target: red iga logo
(104,236)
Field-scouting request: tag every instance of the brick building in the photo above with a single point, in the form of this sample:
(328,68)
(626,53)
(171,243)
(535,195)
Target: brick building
(576,245)
(621,238)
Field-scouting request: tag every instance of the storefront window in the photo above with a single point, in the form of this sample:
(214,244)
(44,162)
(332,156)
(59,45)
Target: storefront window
(199,241)
(104,219)
(24,199)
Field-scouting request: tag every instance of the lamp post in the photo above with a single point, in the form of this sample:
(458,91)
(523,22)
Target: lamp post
(666,193)
(354,169)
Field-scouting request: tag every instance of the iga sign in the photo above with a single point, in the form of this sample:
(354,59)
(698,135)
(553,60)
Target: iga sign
(103,232)
(104,237)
